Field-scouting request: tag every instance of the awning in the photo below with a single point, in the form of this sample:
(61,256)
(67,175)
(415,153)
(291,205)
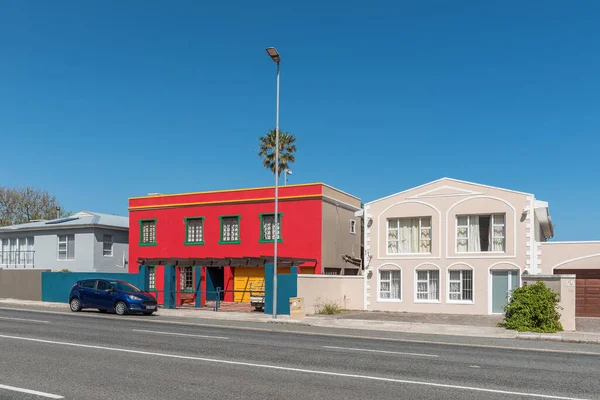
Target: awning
(226,261)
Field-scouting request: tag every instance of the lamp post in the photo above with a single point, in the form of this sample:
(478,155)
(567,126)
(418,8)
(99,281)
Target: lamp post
(285,174)
(272,52)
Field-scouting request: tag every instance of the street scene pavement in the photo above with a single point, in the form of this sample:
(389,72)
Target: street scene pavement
(93,356)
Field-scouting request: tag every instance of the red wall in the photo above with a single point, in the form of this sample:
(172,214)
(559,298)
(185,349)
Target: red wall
(300,227)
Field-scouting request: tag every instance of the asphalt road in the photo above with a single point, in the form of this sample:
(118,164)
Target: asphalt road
(94,356)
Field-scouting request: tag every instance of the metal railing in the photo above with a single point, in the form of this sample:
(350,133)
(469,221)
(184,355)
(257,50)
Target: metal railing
(17,258)
(188,298)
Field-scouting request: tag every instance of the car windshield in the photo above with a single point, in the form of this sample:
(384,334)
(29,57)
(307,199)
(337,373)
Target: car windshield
(126,287)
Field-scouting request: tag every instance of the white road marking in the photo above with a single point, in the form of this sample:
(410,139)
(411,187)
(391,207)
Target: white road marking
(180,334)
(306,333)
(290,369)
(35,392)
(474,366)
(26,320)
(380,351)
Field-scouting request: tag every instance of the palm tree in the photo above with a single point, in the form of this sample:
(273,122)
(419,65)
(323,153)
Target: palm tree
(287,148)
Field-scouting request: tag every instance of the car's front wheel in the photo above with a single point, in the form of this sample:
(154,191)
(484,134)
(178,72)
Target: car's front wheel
(75,304)
(121,308)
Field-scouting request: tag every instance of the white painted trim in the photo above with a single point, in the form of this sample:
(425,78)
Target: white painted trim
(514,253)
(394,267)
(427,194)
(576,259)
(451,180)
(448,270)
(399,256)
(367,258)
(415,270)
(504,262)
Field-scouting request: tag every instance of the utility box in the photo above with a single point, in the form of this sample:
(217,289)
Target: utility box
(297,307)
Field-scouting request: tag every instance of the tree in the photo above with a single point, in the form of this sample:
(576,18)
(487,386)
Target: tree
(287,148)
(21,205)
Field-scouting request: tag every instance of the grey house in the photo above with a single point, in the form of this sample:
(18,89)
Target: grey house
(83,242)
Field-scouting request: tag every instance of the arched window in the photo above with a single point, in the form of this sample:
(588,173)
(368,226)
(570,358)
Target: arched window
(389,283)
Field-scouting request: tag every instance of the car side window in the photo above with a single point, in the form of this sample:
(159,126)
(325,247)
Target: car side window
(88,284)
(102,285)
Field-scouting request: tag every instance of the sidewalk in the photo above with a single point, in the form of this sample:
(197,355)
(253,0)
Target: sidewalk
(352,323)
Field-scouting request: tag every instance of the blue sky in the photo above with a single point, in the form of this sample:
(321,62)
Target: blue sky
(104,100)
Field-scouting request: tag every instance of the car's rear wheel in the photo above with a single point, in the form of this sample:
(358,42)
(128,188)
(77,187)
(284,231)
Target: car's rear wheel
(121,308)
(75,304)
(102,310)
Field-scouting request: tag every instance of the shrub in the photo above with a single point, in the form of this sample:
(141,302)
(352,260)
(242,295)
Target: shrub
(533,308)
(64,270)
(328,308)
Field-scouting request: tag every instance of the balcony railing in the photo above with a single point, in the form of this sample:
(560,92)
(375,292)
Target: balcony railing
(17,258)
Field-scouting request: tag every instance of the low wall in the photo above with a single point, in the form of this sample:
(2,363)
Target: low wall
(346,291)
(56,286)
(23,285)
(564,285)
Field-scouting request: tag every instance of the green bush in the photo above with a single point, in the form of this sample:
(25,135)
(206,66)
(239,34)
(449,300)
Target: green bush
(329,308)
(533,308)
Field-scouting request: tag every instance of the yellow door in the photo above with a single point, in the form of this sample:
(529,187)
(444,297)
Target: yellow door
(242,277)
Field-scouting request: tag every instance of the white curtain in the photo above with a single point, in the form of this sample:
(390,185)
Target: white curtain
(498,233)
(414,235)
(462,239)
(395,285)
(474,239)
(405,233)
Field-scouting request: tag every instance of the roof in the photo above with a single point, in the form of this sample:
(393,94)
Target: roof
(451,180)
(81,219)
(155,195)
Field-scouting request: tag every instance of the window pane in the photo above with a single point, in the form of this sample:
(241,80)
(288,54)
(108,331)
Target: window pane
(462,220)
(385,275)
(433,285)
(467,282)
(102,285)
(195,230)
(393,223)
(384,286)
(395,285)
(230,229)
(422,275)
(393,247)
(70,247)
(499,219)
(455,275)
(425,222)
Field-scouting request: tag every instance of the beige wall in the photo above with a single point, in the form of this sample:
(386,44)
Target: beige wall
(443,200)
(564,285)
(569,255)
(343,197)
(346,291)
(23,285)
(337,238)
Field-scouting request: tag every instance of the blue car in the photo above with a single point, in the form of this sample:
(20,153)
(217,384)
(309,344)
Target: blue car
(110,294)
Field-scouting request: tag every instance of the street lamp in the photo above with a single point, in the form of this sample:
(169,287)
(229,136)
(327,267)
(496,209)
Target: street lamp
(272,52)
(285,174)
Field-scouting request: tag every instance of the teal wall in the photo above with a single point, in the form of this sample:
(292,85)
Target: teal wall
(56,286)
(287,286)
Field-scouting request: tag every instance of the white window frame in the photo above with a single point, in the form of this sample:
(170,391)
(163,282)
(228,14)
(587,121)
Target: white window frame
(184,278)
(439,285)
(399,253)
(392,269)
(66,242)
(353,226)
(104,242)
(491,238)
(461,270)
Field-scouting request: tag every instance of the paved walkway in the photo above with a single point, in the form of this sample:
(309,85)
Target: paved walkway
(392,322)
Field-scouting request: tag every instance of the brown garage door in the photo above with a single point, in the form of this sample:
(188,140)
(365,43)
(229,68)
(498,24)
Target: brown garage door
(587,295)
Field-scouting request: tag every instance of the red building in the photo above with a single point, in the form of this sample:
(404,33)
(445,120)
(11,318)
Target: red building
(316,221)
